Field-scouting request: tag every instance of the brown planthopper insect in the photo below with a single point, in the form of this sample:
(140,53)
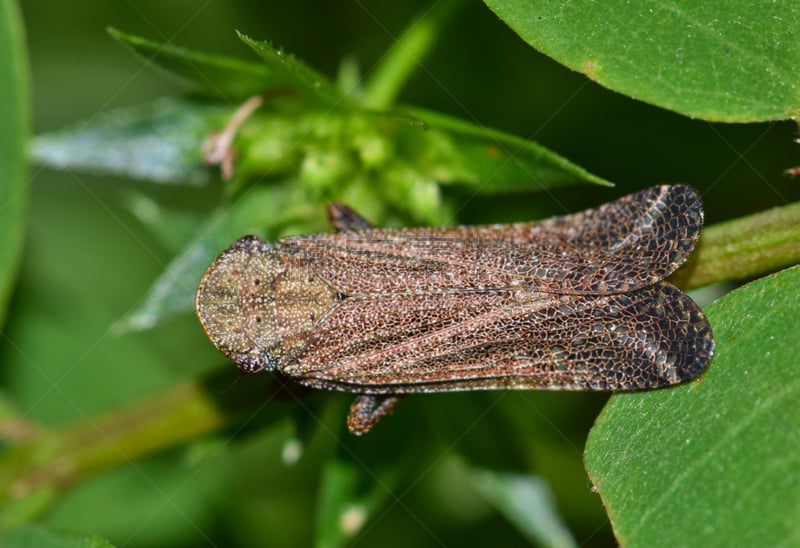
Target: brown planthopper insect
(576,302)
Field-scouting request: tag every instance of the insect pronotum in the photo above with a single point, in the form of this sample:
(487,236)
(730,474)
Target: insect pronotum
(576,302)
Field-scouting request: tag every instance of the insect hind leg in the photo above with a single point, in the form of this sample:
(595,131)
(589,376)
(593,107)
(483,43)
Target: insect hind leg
(367,410)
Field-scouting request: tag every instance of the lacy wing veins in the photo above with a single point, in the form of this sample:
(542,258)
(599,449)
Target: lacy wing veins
(576,302)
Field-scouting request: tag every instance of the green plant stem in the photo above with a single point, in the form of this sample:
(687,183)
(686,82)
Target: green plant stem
(15,124)
(406,54)
(744,248)
(49,462)
(45,463)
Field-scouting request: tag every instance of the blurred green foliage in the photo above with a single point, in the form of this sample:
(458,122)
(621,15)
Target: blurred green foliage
(288,474)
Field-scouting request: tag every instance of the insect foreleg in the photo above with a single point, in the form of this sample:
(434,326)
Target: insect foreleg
(343,218)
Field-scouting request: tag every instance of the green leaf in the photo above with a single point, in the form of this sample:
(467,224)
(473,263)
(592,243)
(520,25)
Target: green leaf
(298,77)
(527,502)
(253,211)
(41,537)
(14,124)
(720,61)
(713,462)
(222,77)
(489,160)
(159,142)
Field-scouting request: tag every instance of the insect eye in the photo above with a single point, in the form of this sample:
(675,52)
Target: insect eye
(253,361)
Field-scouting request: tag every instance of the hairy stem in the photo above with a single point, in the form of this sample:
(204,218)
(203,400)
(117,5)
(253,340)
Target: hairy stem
(744,248)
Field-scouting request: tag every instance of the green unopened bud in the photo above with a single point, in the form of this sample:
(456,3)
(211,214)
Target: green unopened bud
(322,169)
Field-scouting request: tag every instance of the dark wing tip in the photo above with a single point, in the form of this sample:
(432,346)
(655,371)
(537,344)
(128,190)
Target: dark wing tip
(664,227)
(686,342)
(699,346)
(666,340)
(668,218)
(620,246)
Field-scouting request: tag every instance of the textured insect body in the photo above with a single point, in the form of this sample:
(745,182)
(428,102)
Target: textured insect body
(574,302)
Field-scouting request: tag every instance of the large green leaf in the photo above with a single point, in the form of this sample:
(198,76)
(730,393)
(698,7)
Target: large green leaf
(714,462)
(14,123)
(723,61)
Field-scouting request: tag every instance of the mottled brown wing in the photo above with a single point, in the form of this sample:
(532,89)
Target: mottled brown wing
(649,338)
(618,247)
